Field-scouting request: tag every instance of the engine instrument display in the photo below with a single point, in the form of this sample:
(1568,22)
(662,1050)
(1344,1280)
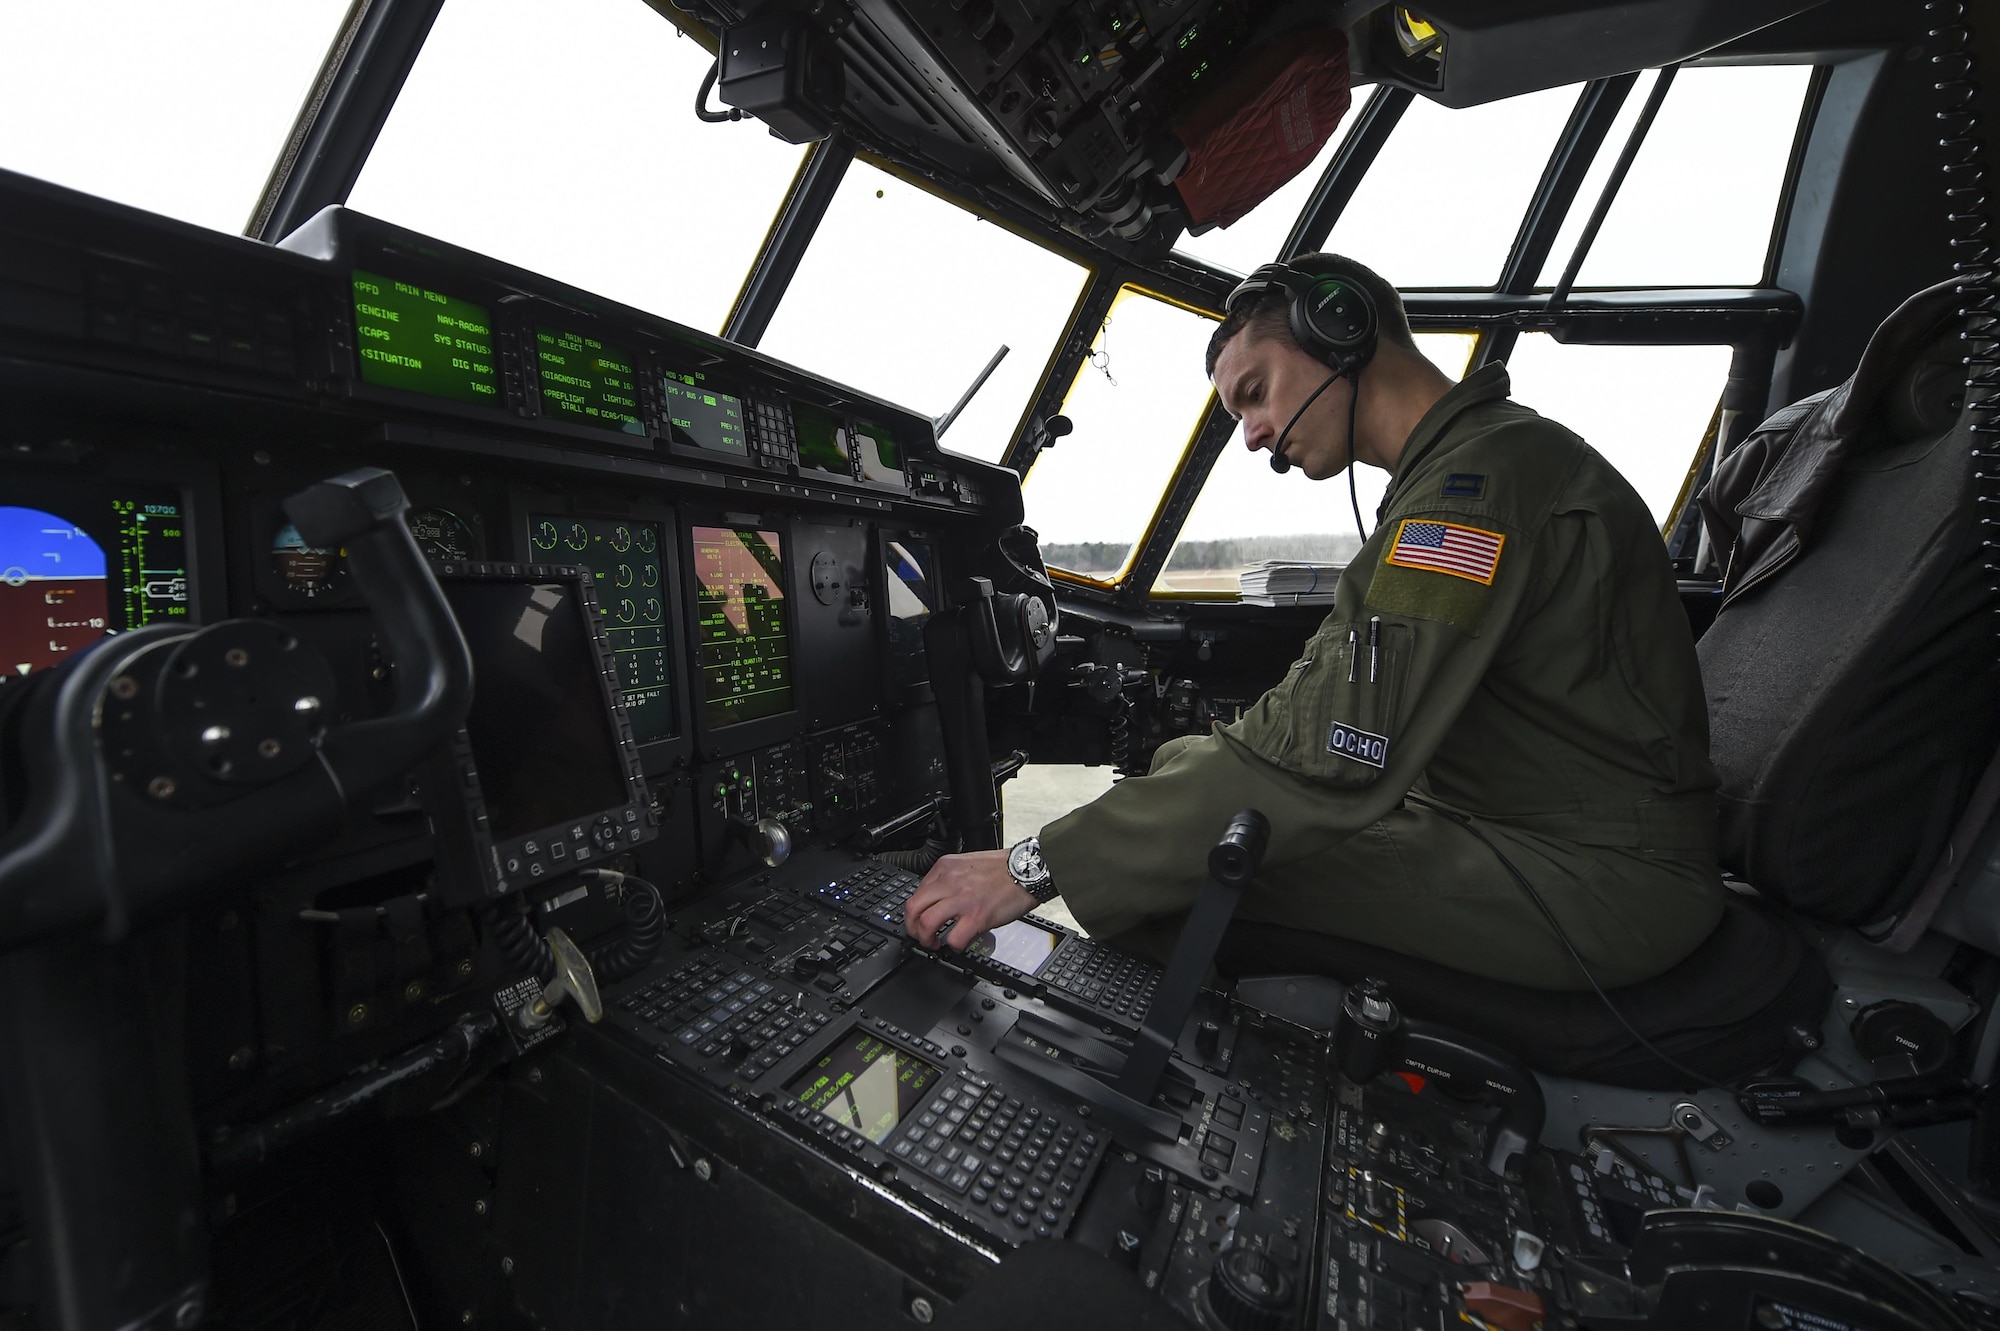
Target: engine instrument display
(743,629)
(623,557)
(866,1084)
(587,382)
(80,562)
(703,418)
(409,337)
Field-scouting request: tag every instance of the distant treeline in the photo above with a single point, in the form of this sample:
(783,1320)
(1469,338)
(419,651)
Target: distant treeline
(1108,556)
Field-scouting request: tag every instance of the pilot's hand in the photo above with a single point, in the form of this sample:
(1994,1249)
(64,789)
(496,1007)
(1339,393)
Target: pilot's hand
(974,889)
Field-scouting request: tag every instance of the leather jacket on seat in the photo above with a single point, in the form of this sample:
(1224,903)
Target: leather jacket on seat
(1759,508)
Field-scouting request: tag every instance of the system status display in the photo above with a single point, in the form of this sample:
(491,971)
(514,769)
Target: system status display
(424,341)
(585,381)
(744,643)
(624,562)
(704,418)
(75,569)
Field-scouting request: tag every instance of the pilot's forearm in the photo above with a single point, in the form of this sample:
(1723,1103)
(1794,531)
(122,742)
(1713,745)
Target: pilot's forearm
(1141,849)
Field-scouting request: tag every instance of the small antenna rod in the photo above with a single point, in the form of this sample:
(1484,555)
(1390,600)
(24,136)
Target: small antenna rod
(943,423)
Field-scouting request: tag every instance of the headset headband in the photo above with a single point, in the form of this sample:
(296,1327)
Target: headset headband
(1331,315)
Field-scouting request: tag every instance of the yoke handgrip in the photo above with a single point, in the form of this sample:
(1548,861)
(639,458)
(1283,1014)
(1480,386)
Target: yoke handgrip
(363,511)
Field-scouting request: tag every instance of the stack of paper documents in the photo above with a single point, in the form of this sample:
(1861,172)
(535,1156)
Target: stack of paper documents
(1288,582)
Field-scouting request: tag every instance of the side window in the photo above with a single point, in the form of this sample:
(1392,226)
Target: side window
(907,296)
(181,109)
(1438,214)
(562,138)
(1247,512)
(1442,202)
(1136,404)
(1644,408)
(1697,207)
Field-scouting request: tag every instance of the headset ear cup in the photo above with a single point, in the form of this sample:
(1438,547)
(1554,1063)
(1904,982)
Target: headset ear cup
(1339,319)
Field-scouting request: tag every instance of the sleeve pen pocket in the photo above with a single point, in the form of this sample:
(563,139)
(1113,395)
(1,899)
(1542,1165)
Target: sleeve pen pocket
(1344,718)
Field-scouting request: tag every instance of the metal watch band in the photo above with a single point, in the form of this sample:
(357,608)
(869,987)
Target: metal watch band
(1029,871)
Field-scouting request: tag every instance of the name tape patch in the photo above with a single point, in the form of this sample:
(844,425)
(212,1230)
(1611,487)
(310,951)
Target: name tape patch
(1359,745)
(1447,547)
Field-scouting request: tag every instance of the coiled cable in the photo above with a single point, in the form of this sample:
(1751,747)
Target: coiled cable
(1119,729)
(645,928)
(521,948)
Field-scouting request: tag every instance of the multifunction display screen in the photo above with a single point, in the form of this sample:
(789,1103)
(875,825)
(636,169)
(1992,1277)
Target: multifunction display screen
(743,624)
(425,341)
(587,382)
(80,561)
(703,418)
(1025,947)
(625,566)
(541,730)
(865,1084)
(822,442)
(876,450)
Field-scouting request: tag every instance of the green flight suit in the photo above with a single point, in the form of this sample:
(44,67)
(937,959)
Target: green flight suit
(1517,653)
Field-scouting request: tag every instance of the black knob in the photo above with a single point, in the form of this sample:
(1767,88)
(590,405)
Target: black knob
(1249,1291)
(1365,1038)
(1896,1028)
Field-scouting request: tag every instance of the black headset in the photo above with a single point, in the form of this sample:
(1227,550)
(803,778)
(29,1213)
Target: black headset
(1332,316)
(1333,320)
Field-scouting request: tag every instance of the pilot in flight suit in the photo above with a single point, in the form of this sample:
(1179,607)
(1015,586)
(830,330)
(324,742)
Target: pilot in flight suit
(1508,644)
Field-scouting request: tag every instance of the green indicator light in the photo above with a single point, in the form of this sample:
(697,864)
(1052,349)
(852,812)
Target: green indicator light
(412,338)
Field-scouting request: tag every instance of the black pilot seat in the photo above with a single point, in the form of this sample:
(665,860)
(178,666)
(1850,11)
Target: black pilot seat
(1745,1002)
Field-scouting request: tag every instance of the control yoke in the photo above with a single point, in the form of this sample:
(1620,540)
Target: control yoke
(161,761)
(1012,617)
(1011,632)
(173,756)
(1002,632)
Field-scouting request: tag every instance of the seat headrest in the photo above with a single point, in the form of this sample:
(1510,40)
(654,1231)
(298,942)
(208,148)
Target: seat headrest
(1925,399)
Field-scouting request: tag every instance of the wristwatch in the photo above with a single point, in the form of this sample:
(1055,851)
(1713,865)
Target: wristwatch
(1025,867)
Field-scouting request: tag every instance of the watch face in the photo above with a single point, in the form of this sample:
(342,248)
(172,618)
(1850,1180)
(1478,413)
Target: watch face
(1024,862)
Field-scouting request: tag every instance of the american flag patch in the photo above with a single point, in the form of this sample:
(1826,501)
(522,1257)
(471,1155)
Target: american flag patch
(1446,547)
